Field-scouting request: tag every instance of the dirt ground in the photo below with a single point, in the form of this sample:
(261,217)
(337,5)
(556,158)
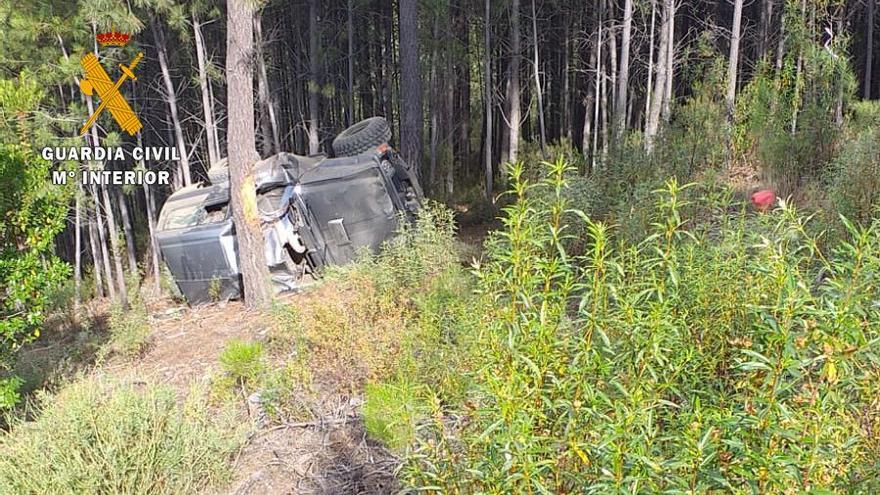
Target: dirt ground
(328,455)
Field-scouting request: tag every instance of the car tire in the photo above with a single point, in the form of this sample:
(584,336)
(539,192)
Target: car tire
(219,172)
(362,136)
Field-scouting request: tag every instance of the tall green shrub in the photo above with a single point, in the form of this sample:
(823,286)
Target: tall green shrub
(726,356)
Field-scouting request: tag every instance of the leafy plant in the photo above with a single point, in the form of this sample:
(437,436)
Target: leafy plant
(725,355)
(243,362)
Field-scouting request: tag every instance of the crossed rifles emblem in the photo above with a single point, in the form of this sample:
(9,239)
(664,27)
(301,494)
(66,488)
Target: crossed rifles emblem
(111,98)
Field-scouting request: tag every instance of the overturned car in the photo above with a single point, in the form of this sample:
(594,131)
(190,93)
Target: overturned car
(314,211)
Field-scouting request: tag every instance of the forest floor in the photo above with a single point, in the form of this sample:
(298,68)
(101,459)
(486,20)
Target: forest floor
(328,453)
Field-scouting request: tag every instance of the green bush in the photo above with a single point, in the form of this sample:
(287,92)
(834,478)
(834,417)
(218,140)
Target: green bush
(390,411)
(855,181)
(9,392)
(32,213)
(104,437)
(725,355)
(129,330)
(243,362)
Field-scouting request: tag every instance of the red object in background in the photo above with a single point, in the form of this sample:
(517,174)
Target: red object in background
(763,200)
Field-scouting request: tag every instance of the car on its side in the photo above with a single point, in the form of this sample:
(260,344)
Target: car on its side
(314,211)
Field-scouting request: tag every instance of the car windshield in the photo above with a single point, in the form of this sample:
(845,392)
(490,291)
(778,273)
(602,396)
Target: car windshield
(193,215)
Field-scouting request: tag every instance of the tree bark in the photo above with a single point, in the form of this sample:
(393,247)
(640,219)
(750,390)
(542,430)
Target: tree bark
(129,233)
(487,96)
(350,26)
(171,99)
(410,85)
(314,78)
(151,224)
(77,266)
(649,86)
(267,105)
(242,150)
(207,102)
(513,89)
(869,48)
(670,63)
(764,27)
(96,258)
(733,59)
(653,120)
(538,92)
(623,80)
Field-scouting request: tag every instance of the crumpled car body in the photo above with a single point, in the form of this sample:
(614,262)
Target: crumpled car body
(314,211)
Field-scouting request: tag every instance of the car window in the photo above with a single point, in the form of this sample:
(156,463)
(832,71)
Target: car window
(191,216)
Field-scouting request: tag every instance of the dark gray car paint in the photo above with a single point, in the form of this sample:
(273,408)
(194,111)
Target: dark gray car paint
(340,205)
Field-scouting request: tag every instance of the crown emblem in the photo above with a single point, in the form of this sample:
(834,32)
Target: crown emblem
(112,38)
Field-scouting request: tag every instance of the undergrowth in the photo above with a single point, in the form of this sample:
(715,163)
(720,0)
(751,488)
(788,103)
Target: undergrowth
(103,436)
(728,354)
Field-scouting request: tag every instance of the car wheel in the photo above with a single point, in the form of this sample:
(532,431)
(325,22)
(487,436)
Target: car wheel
(362,136)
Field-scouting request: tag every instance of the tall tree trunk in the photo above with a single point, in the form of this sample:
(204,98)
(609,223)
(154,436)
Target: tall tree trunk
(129,233)
(780,45)
(350,26)
(733,59)
(869,48)
(410,85)
(151,224)
(267,105)
(463,84)
(623,81)
(207,101)
(77,266)
(171,99)
(600,75)
(653,120)
(670,64)
(513,90)
(538,92)
(764,27)
(649,86)
(590,99)
(487,95)
(314,78)
(116,249)
(243,152)
(96,257)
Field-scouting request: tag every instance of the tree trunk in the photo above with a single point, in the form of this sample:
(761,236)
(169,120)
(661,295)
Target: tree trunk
(623,81)
(171,98)
(350,26)
(96,258)
(780,45)
(600,75)
(649,87)
(129,233)
(77,265)
(590,100)
(410,85)
(869,48)
(242,150)
(207,104)
(314,78)
(116,249)
(269,121)
(151,224)
(487,96)
(538,78)
(653,119)
(764,26)
(513,88)
(733,59)
(670,64)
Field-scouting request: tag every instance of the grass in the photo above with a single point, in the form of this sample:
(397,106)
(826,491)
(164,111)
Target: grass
(105,436)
